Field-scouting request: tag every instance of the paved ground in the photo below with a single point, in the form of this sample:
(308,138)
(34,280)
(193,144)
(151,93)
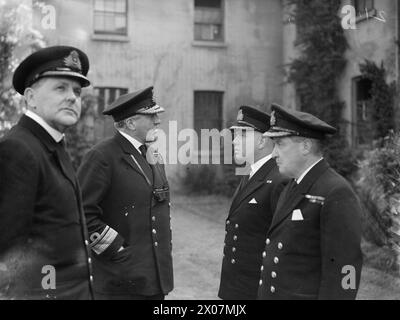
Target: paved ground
(198,237)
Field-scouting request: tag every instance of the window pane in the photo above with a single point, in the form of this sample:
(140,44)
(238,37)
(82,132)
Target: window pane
(208,32)
(109,24)
(217,32)
(98,22)
(120,6)
(208,3)
(112,18)
(109,5)
(208,16)
(369,4)
(99,5)
(362,5)
(123,91)
(207,110)
(203,32)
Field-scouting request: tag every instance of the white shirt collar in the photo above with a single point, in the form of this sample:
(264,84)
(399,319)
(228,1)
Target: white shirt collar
(55,134)
(256,166)
(307,171)
(132,140)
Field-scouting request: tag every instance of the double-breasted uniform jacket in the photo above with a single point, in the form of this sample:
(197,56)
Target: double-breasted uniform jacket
(44,248)
(121,211)
(314,240)
(246,228)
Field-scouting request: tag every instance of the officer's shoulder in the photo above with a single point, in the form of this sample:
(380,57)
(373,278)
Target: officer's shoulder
(19,143)
(335,183)
(103,150)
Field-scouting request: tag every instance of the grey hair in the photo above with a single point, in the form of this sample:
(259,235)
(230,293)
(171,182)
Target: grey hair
(120,124)
(316,144)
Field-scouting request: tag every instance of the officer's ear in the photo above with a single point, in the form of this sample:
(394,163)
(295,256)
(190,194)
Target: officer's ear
(29,95)
(307,146)
(262,142)
(131,124)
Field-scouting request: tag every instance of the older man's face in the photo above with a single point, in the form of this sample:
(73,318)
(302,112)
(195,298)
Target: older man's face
(288,155)
(57,101)
(146,127)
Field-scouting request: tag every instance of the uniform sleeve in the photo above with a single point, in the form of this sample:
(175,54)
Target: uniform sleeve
(18,187)
(94,176)
(340,245)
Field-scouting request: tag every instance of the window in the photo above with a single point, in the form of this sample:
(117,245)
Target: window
(207,110)
(363,6)
(208,115)
(106,96)
(105,126)
(208,20)
(110,17)
(362,113)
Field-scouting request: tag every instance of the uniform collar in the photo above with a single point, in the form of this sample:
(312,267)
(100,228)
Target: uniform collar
(132,140)
(256,166)
(308,170)
(55,134)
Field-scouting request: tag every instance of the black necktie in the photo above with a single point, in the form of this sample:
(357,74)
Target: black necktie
(143,150)
(65,159)
(244,181)
(291,187)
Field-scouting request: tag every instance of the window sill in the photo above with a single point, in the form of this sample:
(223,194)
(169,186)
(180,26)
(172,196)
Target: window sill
(110,37)
(363,17)
(210,44)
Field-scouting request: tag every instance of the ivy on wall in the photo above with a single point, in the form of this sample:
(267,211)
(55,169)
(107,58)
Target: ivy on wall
(316,71)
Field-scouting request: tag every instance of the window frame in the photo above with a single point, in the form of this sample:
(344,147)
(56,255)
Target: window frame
(104,104)
(222,38)
(355,121)
(98,32)
(203,154)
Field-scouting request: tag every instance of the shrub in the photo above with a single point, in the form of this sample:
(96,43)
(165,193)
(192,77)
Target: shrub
(200,178)
(80,138)
(379,189)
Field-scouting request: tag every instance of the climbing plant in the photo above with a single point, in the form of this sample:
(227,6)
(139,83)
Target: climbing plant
(321,44)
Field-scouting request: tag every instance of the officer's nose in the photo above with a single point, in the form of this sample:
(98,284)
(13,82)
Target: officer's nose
(274,153)
(156,120)
(71,95)
(235,140)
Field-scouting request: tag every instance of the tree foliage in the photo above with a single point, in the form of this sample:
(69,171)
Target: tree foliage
(16,35)
(80,138)
(379,188)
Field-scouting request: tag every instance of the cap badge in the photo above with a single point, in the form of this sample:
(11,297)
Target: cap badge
(273,119)
(240,116)
(73,61)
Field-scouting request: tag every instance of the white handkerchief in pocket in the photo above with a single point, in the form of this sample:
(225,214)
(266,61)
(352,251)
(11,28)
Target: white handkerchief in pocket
(297,215)
(253,201)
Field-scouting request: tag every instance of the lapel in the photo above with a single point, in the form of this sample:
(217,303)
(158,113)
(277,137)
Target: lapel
(128,151)
(286,208)
(256,181)
(62,159)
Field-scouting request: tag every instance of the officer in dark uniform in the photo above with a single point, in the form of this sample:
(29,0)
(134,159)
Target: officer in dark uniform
(44,251)
(126,202)
(313,245)
(252,207)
